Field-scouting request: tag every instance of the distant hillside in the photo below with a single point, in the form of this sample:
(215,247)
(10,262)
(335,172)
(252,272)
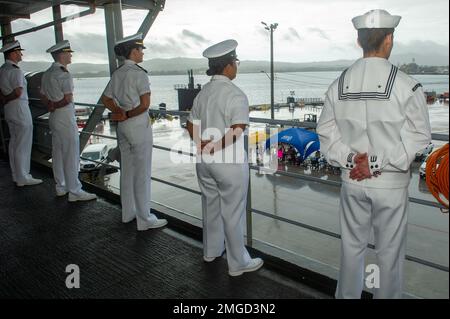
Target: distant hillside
(420,59)
(34,66)
(181,65)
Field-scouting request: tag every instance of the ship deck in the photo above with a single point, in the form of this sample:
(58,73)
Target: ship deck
(42,234)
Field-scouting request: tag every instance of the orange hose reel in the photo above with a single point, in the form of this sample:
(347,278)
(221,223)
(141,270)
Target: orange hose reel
(436,174)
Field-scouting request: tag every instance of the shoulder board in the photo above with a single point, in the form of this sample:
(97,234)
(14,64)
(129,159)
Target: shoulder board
(64,69)
(418,85)
(15,66)
(142,68)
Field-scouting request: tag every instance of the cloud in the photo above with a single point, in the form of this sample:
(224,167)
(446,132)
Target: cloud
(424,47)
(292,35)
(183,44)
(92,47)
(319,32)
(423,52)
(259,30)
(89,44)
(21,25)
(88,47)
(339,48)
(176,33)
(197,38)
(36,43)
(167,47)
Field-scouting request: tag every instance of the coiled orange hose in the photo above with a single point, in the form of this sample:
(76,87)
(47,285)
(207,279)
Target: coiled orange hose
(436,174)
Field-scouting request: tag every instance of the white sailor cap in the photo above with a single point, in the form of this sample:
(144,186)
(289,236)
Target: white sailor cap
(132,40)
(11,46)
(63,46)
(223,49)
(376,19)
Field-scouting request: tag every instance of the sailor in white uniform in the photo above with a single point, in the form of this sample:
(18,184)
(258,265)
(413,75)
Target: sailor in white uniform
(218,122)
(128,97)
(57,94)
(374,120)
(14,96)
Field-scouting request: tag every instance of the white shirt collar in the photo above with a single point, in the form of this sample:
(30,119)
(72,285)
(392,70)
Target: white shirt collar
(57,64)
(129,62)
(11,62)
(219,77)
(374,58)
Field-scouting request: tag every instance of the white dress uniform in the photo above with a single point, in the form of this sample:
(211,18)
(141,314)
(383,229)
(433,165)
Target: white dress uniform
(374,108)
(57,82)
(223,179)
(135,138)
(18,117)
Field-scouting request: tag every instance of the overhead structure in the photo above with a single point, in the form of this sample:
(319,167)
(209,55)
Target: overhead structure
(114,31)
(11,10)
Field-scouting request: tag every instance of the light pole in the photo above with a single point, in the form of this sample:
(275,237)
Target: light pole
(271,28)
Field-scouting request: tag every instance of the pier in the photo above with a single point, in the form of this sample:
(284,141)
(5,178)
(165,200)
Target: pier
(308,103)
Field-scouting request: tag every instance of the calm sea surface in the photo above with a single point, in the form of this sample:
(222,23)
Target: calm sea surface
(257,88)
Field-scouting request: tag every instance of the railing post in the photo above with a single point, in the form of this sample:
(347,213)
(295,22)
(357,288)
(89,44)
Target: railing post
(249,215)
(6,29)
(2,136)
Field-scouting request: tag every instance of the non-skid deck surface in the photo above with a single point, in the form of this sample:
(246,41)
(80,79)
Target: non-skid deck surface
(40,235)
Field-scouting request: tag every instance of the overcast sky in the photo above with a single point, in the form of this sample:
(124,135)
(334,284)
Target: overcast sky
(319,30)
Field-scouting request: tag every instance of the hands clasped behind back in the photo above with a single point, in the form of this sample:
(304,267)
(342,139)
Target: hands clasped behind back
(361,171)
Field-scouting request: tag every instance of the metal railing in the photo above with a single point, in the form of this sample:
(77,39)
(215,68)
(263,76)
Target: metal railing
(250,209)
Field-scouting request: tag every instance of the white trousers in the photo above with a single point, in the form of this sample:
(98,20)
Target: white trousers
(65,149)
(20,124)
(224,198)
(386,211)
(135,140)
